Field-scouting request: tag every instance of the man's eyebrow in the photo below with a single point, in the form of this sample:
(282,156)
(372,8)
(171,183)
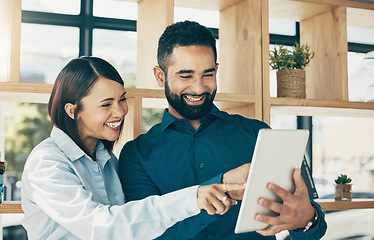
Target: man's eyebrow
(184,71)
(192,71)
(210,70)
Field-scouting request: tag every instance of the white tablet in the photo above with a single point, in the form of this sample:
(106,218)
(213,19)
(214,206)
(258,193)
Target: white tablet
(277,153)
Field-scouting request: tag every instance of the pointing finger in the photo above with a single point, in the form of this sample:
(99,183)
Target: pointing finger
(228,187)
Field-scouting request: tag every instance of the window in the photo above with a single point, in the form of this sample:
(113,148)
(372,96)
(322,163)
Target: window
(360,77)
(349,152)
(25,126)
(115,9)
(207,18)
(43,55)
(119,48)
(282,27)
(52,6)
(360,35)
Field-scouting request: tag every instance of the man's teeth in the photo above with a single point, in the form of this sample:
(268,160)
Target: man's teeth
(113,124)
(194,99)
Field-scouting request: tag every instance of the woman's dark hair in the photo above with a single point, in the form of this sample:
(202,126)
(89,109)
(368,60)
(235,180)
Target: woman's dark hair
(73,83)
(183,34)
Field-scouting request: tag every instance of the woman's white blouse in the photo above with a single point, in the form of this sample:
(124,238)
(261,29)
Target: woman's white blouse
(66,195)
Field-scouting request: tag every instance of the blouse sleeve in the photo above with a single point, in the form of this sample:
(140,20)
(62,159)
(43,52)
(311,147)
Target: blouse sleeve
(52,191)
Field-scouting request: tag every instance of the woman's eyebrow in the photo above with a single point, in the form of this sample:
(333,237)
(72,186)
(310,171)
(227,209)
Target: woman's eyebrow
(111,99)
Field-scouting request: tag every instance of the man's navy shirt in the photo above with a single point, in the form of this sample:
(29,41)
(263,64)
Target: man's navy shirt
(173,155)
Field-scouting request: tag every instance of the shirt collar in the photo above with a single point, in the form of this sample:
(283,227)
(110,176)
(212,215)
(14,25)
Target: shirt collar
(102,155)
(71,149)
(168,119)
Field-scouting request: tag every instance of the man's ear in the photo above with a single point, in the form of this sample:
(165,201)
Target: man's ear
(70,109)
(159,75)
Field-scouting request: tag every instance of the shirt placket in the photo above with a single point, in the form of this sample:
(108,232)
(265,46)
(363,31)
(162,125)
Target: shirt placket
(100,183)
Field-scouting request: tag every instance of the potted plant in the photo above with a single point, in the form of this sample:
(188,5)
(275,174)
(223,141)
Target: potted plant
(290,65)
(343,188)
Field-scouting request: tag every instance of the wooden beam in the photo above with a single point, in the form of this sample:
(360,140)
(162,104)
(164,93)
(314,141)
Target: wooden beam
(266,100)
(153,17)
(11,207)
(240,52)
(327,75)
(331,204)
(215,5)
(362,18)
(326,204)
(133,124)
(10,38)
(298,10)
(26,87)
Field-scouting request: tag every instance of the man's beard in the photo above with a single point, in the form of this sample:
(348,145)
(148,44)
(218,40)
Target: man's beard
(190,112)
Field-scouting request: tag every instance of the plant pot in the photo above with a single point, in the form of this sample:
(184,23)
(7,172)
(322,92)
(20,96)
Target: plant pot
(343,192)
(291,83)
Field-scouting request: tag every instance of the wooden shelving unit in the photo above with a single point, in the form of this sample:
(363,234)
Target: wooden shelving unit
(326,204)
(331,204)
(10,207)
(323,25)
(244,66)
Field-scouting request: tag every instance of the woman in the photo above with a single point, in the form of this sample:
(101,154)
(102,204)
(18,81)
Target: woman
(71,189)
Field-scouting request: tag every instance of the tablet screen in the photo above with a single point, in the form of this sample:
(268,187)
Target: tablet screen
(277,153)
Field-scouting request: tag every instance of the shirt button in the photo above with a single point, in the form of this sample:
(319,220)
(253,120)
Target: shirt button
(201,165)
(213,234)
(181,122)
(202,225)
(196,135)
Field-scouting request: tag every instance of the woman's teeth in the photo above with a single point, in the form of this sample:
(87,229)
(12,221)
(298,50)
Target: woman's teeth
(194,99)
(113,124)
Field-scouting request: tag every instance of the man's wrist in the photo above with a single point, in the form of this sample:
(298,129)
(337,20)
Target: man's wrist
(311,222)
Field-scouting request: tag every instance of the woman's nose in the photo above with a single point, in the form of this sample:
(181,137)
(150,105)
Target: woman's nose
(120,110)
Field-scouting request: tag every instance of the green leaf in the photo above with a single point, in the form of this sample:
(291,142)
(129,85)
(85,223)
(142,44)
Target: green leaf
(282,58)
(343,179)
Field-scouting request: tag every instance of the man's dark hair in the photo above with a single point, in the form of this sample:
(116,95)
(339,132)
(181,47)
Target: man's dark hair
(182,34)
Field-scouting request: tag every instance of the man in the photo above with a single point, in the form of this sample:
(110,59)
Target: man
(196,143)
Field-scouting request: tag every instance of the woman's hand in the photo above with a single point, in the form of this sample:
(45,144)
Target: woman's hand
(237,175)
(213,198)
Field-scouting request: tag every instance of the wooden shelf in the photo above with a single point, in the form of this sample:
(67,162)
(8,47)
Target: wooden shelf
(326,204)
(40,93)
(10,207)
(159,93)
(321,103)
(312,107)
(331,204)
(298,10)
(360,17)
(216,5)
(219,5)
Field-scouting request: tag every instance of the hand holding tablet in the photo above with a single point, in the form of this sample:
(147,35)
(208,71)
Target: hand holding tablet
(277,154)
